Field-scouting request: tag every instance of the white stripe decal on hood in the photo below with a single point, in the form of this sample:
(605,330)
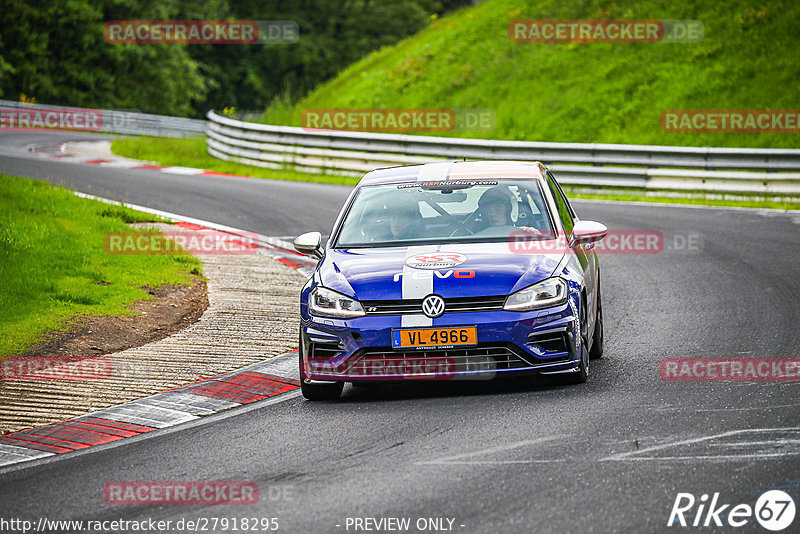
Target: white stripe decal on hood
(434,171)
(417,284)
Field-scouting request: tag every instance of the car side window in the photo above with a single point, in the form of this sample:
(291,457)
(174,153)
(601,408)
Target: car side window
(564,212)
(564,196)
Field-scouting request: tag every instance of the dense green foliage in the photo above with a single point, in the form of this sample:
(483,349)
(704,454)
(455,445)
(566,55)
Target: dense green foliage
(55,51)
(582,92)
(53,264)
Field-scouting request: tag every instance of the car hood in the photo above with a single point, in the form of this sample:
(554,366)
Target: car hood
(472,270)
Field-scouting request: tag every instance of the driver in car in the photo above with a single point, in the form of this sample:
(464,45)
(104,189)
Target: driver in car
(496,206)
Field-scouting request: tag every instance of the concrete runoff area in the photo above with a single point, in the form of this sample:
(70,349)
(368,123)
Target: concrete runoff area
(252,315)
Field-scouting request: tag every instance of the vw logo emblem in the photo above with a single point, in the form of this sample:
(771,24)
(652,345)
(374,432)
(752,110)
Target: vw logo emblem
(433,306)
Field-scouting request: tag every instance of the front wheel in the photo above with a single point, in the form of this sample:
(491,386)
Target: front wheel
(580,375)
(317,392)
(597,337)
(321,392)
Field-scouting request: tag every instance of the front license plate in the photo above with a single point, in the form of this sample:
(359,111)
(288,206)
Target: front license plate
(434,337)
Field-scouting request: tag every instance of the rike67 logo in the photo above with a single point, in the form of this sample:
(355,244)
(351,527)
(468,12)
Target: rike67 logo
(774,510)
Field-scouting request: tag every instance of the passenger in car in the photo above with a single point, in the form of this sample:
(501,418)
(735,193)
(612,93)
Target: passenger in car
(405,220)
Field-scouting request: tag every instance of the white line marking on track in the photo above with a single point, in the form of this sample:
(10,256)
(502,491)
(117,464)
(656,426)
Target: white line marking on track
(461,458)
(705,458)
(494,462)
(744,455)
(182,170)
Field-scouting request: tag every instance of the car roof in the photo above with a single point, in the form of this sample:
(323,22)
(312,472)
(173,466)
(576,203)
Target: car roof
(456,170)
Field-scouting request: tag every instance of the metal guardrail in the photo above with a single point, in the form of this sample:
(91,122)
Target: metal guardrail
(767,171)
(126,122)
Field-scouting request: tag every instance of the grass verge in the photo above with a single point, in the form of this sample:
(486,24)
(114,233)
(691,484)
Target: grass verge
(191,152)
(54,268)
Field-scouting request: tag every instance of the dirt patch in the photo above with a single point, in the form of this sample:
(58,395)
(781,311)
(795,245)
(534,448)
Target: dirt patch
(174,308)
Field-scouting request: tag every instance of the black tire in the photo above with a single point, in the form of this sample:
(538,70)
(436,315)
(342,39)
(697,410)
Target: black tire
(582,374)
(597,337)
(317,392)
(322,392)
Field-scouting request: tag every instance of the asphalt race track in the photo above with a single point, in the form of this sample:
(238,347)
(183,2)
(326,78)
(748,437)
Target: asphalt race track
(277,208)
(522,456)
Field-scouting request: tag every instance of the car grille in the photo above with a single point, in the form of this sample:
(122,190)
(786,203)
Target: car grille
(484,358)
(503,355)
(451,305)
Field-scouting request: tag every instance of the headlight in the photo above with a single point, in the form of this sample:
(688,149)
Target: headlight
(546,293)
(327,303)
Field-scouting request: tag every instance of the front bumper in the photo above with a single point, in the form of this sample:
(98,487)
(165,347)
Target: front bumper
(541,341)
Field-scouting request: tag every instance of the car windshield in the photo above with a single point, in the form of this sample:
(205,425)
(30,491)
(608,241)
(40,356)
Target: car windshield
(452,211)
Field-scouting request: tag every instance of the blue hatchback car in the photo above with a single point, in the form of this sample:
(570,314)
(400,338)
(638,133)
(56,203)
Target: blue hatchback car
(447,271)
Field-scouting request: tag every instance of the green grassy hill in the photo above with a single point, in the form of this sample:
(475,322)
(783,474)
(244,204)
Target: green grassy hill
(583,92)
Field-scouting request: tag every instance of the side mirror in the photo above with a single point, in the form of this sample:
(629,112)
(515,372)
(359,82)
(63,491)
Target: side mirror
(309,243)
(587,232)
